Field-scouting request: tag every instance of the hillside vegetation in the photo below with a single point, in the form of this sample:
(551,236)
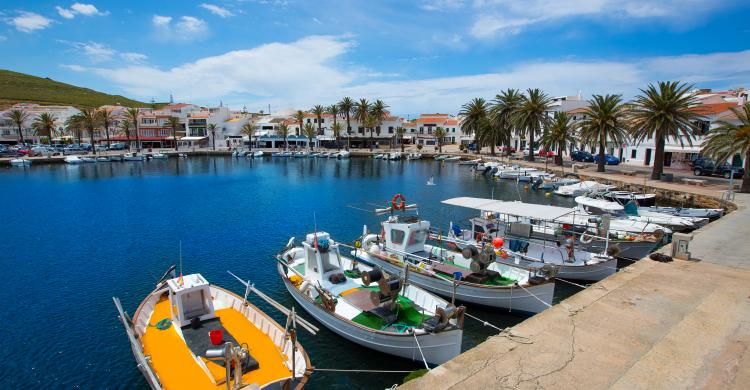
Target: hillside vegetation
(19,87)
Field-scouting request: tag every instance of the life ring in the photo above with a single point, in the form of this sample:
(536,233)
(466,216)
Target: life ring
(586,240)
(398,202)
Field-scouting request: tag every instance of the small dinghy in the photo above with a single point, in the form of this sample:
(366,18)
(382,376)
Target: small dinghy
(378,156)
(258,154)
(159,156)
(88,159)
(452,158)
(470,162)
(103,159)
(74,160)
(182,155)
(189,334)
(132,157)
(414,156)
(439,158)
(20,162)
(344,154)
(711,214)
(380,310)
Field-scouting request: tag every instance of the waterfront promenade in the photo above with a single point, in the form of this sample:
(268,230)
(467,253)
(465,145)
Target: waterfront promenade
(684,324)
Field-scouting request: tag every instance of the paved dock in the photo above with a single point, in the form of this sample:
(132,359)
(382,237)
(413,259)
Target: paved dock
(678,325)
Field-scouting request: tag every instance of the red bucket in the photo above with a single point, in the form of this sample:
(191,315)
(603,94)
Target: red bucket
(217,336)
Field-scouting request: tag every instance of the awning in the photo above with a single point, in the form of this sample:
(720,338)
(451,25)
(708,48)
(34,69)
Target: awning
(679,149)
(516,209)
(192,138)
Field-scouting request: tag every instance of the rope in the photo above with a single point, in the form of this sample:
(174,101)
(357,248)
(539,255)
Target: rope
(485,323)
(569,282)
(532,294)
(369,371)
(420,350)
(508,334)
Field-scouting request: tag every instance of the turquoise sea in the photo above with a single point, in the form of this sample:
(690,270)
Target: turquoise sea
(74,236)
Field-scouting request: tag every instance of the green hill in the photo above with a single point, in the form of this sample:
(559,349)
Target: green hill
(18,87)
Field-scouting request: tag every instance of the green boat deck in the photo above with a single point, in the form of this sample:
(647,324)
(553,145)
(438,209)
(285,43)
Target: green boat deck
(497,281)
(407,317)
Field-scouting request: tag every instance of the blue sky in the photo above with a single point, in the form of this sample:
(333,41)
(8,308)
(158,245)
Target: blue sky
(418,56)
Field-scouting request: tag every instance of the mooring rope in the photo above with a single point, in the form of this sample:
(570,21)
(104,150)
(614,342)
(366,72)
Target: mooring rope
(569,282)
(485,323)
(533,295)
(368,371)
(420,350)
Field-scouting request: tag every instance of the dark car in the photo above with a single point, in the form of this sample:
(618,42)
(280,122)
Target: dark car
(608,159)
(582,156)
(706,166)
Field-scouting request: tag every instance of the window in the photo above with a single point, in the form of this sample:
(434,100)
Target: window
(322,120)
(390,129)
(359,130)
(397,236)
(148,133)
(308,120)
(633,153)
(417,237)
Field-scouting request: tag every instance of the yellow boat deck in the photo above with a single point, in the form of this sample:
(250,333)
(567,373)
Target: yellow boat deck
(174,364)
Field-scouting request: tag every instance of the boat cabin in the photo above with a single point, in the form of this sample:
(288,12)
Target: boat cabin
(406,233)
(190,299)
(322,259)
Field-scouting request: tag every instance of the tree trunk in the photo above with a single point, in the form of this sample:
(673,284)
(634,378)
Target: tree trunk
(531,145)
(127,138)
(137,139)
(348,133)
(401,141)
(559,157)
(658,157)
(174,137)
(745,187)
(600,164)
(93,146)
(492,148)
(20,134)
(106,131)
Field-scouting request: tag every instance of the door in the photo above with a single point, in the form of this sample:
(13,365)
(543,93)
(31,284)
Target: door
(667,159)
(647,161)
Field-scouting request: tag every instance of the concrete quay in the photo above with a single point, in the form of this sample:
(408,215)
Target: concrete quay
(678,325)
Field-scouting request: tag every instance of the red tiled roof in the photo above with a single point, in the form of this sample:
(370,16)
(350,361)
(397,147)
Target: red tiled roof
(715,108)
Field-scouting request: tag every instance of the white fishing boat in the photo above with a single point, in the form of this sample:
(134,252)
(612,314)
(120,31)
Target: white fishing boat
(474,277)
(75,160)
(598,206)
(414,156)
(189,334)
(384,311)
(439,158)
(238,153)
(394,156)
(344,154)
(470,162)
(103,159)
(300,155)
(452,158)
(159,156)
(132,157)
(258,154)
(88,159)
(583,188)
(504,226)
(20,162)
(378,156)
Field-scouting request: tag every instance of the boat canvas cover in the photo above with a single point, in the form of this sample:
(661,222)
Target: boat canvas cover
(515,208)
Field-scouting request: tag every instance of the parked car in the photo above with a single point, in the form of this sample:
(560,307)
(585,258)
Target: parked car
(117,146)
(40,150)
(582,156)
(706,166)
(608,159)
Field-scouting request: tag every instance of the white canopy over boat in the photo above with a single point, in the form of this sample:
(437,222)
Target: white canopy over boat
(515,208)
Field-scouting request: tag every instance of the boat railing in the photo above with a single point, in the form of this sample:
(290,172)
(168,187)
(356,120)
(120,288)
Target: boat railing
(140,357)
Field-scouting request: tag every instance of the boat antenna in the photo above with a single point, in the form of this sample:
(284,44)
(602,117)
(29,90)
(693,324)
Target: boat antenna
(180,258)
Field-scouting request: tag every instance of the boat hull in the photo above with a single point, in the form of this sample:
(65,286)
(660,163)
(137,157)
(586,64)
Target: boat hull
(437,348)
(512,298)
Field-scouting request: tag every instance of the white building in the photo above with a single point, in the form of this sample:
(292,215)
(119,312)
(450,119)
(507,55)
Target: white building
(9,131)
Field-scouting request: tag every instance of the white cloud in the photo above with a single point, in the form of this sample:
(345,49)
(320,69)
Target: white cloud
(506,17)
(135,58)
(216,10)
(185,29)
(80,9)
(98,52)
(273,73)
(442,5)
(29,22)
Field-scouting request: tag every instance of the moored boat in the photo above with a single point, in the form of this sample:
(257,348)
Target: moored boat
(103,159)
(188,333)
(257,154)
(372,307)
(20,162)
(159,156)
(583,188)
(73,160)
(344,154)
(132,157)
(414,156)
(623,197)
(452,158)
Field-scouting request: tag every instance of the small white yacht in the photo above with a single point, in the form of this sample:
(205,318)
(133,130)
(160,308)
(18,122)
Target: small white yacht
(75,160)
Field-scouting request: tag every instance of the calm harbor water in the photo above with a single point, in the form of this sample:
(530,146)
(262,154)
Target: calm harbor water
(71,237)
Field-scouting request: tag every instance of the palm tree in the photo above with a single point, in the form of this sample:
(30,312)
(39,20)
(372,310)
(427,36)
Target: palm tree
(125,130)
(664,111)
(729,139)
(309,132)
(283,131)
(45,124)
(212,130)
(379,111)
(336,134)
(505,105)
(473,113)
(605,119)
(334,111)
(318,111)
(74,124)
(400,131)
(346,106)
(132,115)
(362,112)
(369,123)
(90,121)
(558,136)
(248,129)
(299,116)
(531,115)
(439,135)
(18,117)
(105,118)
(174,122)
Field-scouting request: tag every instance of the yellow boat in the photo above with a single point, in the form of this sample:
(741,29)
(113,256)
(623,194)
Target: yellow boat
(188,334)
